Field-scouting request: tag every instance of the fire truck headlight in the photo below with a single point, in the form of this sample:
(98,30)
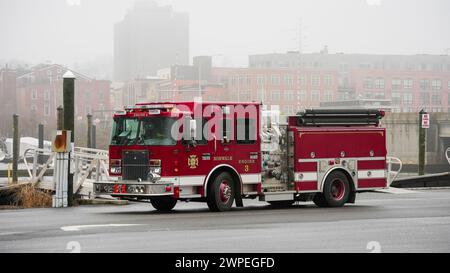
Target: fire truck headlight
(116,170)
(155,170)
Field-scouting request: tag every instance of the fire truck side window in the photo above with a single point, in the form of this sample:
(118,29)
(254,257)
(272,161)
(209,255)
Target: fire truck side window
(124,131)
(245,131)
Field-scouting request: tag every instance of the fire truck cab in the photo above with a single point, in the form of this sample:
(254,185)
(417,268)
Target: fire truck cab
(222,152)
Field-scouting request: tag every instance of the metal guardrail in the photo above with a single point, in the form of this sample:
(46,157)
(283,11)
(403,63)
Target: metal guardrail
(87,165)
(394,167)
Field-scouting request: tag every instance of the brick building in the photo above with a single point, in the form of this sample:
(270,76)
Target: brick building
(288,88)
(8,100)
(39,93)
(410,81)
(409,91)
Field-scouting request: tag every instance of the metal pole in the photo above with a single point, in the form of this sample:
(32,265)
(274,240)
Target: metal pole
(69,124)
(41,142)
(16,147)
(422,139)
(89,130)
(94,137)
(60,118)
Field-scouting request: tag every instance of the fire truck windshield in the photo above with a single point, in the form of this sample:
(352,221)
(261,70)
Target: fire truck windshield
(153,131)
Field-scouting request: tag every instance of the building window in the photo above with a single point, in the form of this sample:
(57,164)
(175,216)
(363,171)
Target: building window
(379,83)
(33,108)
(302,95)
(315,80)
(241,79)
(261,94)
(275,80)
(289,95)
(396,98)
(407,98)
(436,84)
(288,109)
(260,80)
(436,98)
(368,83)
(46,95)
(328,80)
(448,85)
(249,80)
(425,98)
(315,95)
(328,96)
(88,109)
(424,84)
(34,94)
(275,95)
(289,80)
(396,84)
(408,84)
(244,95)
(46,110)
(302,80)
(233,81)
(379,95)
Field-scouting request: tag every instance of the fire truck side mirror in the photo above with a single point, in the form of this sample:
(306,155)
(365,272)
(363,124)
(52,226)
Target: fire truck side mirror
(190,129)
(193,128)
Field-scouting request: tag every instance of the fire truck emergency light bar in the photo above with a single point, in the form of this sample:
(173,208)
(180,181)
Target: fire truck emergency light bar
(339,117)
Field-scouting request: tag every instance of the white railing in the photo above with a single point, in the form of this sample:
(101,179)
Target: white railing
(394,167)
(447,154)
(87,165)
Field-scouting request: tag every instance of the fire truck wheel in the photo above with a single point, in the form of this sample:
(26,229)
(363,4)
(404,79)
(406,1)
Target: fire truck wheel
(221,193)
(163,203)
(336,189)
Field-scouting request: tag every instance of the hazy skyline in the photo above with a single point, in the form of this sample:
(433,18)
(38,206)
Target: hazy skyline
(70,31)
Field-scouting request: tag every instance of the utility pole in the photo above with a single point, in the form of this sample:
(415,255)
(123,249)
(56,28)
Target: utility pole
(16,147)
(60,118)
(423,125)
(40,142)
(89,130)
(69,124)
(94,137)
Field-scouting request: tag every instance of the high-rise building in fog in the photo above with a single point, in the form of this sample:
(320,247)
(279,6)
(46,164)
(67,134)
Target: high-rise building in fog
(150,37)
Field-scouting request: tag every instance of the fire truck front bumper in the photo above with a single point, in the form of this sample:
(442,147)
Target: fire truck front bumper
(135,189)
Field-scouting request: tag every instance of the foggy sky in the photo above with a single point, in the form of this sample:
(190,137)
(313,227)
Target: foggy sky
(69,31)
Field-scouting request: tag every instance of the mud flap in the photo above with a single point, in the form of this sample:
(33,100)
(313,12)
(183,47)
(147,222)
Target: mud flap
(239,202)
(351,197)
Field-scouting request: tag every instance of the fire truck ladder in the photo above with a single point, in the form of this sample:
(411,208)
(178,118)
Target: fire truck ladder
(394,167)
(88,165)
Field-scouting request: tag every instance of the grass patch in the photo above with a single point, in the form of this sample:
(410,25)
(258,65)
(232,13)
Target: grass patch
(28,196)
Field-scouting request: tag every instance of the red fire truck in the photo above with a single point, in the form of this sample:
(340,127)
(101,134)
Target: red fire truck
(220,153)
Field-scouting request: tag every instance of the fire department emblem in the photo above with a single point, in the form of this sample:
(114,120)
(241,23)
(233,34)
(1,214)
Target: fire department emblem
(193,161)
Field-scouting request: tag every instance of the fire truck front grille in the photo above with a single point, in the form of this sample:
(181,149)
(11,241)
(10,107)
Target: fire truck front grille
(135,165)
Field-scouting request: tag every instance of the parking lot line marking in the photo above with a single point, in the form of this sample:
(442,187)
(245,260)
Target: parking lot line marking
(78,228)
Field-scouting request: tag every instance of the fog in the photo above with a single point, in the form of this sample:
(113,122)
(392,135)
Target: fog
(80,31)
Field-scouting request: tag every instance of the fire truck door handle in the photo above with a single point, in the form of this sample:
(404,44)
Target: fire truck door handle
(215,144)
